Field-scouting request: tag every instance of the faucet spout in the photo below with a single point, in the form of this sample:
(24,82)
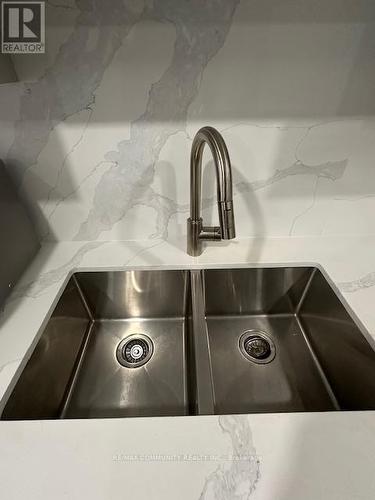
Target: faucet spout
(197,232)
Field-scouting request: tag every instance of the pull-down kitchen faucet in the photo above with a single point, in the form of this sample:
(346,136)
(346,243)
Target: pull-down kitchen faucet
(196,231)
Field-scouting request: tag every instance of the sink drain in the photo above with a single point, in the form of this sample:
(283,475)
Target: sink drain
(134,351)
(256,346)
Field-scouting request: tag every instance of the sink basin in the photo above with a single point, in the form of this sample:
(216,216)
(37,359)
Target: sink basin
(76,369)
(179,342)
(320,360)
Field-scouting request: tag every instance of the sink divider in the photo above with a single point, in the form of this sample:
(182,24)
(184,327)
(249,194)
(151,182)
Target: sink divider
(205,402)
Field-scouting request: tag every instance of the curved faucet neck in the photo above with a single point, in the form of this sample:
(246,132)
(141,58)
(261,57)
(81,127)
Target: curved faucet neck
(196,231)
(210,136)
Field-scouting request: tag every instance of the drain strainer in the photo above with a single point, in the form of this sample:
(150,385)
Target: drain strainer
(135,350)
(257,346)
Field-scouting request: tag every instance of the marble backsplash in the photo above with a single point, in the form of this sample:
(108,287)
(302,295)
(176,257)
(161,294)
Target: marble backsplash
(97,132)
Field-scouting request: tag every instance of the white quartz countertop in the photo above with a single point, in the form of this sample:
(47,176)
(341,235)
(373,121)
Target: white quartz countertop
(272,456)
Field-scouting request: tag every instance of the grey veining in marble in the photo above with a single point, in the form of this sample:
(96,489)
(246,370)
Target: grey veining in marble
(366,281)
(59,93)
(302,165)
(166,207)
(237,478)
(200,32)
(36,287)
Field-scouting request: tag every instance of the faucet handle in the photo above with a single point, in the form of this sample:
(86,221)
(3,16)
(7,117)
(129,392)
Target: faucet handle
(210,233)
(197,233)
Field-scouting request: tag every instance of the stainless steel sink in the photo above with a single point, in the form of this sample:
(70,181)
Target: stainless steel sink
(77,368)
(321,359)
(179,342)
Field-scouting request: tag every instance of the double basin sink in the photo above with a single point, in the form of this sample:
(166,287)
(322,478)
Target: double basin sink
(195,342)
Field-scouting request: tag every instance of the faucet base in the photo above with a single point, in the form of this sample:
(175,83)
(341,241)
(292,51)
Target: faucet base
(196,233)
(194,244)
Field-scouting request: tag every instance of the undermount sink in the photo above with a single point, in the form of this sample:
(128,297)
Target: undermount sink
(81,369)
(180,342)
